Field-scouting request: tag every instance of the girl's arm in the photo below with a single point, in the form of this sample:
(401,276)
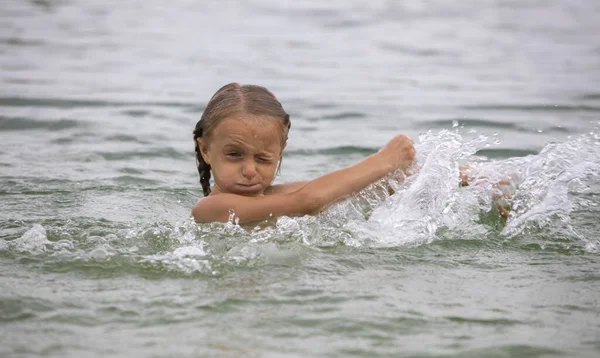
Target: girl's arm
(315,195)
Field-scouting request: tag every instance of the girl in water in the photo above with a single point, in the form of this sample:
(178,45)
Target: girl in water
(240,141)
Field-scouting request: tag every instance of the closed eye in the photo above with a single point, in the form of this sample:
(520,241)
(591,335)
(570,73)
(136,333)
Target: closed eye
(263,160)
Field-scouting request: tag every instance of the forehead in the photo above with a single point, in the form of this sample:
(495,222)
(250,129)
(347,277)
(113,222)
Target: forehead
(259,130)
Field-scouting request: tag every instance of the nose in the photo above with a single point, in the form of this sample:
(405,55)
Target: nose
(249,169)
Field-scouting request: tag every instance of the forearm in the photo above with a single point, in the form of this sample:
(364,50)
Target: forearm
(323,191)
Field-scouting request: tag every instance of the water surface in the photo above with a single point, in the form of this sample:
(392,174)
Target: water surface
(98,255)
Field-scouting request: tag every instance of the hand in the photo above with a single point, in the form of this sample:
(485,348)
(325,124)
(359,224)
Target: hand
(463,174)
(501,190)
(399,152)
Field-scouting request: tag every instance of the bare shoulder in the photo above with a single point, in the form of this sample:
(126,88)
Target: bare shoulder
(285,188)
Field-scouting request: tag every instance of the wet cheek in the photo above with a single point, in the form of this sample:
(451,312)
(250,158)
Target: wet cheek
(270,169)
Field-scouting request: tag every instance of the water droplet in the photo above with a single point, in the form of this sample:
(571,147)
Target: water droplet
(454,123)
(539,131)
(270,215)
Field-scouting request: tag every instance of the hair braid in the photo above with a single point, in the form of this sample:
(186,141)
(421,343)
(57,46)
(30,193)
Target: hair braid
(203,167)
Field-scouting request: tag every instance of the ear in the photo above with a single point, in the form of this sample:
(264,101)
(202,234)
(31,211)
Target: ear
(203,146)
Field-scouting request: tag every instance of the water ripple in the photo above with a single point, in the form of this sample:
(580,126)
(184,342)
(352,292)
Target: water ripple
(81,103)
(331,151)
(19,124)
(534,108)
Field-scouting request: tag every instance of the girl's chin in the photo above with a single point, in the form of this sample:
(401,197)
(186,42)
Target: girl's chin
(248,190)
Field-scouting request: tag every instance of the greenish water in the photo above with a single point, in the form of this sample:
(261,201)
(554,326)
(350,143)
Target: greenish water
(99,256)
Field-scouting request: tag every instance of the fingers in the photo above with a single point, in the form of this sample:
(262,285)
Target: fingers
(399,152)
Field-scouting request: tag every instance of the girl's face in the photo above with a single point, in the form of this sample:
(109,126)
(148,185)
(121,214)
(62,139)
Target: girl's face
(243,154)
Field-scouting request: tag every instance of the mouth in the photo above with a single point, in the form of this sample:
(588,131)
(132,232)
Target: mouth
(249,187)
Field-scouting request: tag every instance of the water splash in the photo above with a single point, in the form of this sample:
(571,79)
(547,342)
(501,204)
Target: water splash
(33,241)
(544,192)
(560,181)
(427,201)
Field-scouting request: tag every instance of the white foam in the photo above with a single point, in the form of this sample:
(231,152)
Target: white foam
(187,259)
(34,241)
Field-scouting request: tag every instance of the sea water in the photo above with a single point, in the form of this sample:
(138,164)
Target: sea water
(99,255)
